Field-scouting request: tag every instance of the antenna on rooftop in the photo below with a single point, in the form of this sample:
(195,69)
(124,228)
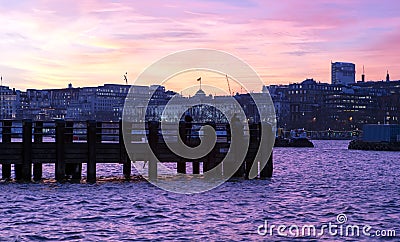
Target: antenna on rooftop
(387,76)
(363,75)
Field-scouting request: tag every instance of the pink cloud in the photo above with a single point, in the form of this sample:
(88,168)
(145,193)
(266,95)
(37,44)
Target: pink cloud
(93,42)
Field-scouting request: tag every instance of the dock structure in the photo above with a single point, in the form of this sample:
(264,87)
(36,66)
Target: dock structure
(27,145)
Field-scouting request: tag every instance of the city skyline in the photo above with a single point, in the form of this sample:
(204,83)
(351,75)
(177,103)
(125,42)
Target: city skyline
(54,43)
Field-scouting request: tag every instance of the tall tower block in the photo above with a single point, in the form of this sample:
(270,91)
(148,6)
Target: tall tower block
(343,73)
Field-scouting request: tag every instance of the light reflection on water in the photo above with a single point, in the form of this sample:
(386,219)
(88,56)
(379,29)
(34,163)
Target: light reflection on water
(309,186)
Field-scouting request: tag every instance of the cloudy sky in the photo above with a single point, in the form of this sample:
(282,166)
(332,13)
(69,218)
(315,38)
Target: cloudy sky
(46,43)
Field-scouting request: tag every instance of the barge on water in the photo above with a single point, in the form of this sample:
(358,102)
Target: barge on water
(381,137)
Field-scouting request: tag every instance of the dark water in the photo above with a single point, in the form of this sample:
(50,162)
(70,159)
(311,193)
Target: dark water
(310,186)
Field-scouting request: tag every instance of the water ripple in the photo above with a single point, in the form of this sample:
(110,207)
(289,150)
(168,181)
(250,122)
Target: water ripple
(309,186)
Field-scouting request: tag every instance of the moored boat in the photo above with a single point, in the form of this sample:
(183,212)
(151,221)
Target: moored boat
(298,138)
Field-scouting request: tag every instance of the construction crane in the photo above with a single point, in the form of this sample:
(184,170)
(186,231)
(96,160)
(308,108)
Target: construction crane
(1,98)
(229,86)
(126,78)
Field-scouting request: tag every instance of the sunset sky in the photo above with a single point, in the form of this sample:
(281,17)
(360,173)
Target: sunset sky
(47,44)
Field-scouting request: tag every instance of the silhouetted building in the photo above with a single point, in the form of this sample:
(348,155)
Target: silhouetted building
(343,73)
(8,103)
(311,105)
(307,100)
(322,106)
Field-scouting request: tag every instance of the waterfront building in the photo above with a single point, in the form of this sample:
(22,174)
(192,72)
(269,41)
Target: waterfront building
(100,103)
(306,103)
(8,103)
(279,95)
(322,106)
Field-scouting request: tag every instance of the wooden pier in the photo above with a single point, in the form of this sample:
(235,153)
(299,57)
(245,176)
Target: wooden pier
(26,145)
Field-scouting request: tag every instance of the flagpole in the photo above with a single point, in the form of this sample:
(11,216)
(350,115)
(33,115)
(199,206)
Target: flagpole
(199,80)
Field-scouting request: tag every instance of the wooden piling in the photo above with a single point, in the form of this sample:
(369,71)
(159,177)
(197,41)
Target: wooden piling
(183,133)
(38,139)
(237,129)
(60,157)
(26,167)
(18,171)
(127,170)
(181,166)
(91,143)
(211,163)
(126,163)
(153,173)
(254,133)
(196,167)
(6,138)
(18,168)
(153,140)
(72,170)
(267,171)
(207,166)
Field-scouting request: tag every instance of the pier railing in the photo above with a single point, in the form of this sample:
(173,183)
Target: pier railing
(28,144)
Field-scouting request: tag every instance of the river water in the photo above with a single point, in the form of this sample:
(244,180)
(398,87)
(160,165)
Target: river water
(310,186)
